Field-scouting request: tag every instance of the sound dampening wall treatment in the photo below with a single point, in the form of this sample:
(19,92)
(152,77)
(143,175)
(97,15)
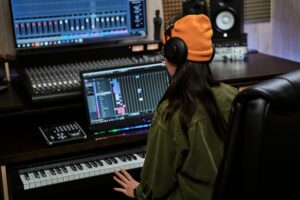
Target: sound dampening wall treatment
(171,8)
(254,10)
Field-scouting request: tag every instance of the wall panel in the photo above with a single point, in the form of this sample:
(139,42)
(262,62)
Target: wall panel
(286,29)
(6,41)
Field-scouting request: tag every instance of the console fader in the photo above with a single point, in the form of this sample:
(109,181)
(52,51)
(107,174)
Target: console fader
(61,81)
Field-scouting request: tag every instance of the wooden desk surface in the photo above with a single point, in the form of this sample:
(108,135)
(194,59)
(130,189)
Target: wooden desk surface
(22,141)
(258,67)
(238,73)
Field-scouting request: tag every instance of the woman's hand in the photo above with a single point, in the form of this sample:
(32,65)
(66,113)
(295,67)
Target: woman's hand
(126,181)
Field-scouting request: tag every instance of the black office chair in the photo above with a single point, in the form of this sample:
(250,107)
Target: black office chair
(262,150)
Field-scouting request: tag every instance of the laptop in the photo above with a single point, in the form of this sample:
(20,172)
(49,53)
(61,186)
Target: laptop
(123,100)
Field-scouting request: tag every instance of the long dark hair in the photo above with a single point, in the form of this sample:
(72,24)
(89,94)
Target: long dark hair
(190,85)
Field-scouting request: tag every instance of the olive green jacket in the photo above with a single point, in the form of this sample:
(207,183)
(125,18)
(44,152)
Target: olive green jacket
(180,167)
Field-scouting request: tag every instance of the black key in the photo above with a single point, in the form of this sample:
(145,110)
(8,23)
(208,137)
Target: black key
(73,168)
(52,172)
(27,177)
(79,166)
(93,163)
(58,170)
(122,158)
(141,155)
(108,161)
(88,165)
(99,162)
(43,173)
(132,156)
(113,160)
(36,175)
(127,157)
(64,169)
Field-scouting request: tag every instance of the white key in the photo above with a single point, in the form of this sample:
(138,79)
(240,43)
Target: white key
(70,173)
(86,172)
(49,177)
(59,176)
(54,178)
(43,180)
(31,181)
(24,181)
(37,180)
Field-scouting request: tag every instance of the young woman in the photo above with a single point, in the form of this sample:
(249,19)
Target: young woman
(185,141)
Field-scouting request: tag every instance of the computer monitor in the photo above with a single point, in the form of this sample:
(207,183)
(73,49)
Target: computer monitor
(123,99)
(56,23)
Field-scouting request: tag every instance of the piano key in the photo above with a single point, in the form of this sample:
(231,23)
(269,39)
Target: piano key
(32,180)
(36,174)
(70,174)
(52,172)
(53,175)
(73,168)
(79,166)
(80,170)
(43,173)
(122,158)
(88,165)
(25,181)
(58,170)
(108,161)
(127,157)
(106,168)
(27,176)
(132,156)
(64,169)
(59,175)
(99,162)
(113,160)
(42,180)
(93,163)
(49,177)
(142,155)
(85,173)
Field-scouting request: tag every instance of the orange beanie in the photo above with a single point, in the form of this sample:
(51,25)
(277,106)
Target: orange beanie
(196,32)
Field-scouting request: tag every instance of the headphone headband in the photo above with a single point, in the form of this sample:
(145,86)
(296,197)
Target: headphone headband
(175,48)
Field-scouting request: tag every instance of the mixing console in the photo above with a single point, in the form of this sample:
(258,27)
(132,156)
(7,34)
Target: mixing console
(62,81)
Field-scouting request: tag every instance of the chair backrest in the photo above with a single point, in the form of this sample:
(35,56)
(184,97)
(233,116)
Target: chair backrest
(262,150)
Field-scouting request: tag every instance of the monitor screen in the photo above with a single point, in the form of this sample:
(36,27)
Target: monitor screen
(116,96)
(54,23)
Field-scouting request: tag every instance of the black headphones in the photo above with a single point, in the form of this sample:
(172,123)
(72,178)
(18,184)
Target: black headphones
(175,49)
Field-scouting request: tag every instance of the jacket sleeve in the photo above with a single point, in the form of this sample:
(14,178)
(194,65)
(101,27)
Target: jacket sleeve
(163,160)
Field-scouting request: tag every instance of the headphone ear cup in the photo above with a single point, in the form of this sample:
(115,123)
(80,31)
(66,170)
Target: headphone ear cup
(175,50)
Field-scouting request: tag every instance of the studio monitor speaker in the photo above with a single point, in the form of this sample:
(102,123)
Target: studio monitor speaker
(194,7)
(227,18)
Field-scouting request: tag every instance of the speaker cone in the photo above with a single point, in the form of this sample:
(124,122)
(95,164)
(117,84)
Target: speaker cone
(225,21)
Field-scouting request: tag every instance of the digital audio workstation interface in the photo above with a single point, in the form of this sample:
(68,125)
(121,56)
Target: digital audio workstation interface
(44,23)
(126,93)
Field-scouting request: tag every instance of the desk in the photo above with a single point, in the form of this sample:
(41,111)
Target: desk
(22,144)
(258,67)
